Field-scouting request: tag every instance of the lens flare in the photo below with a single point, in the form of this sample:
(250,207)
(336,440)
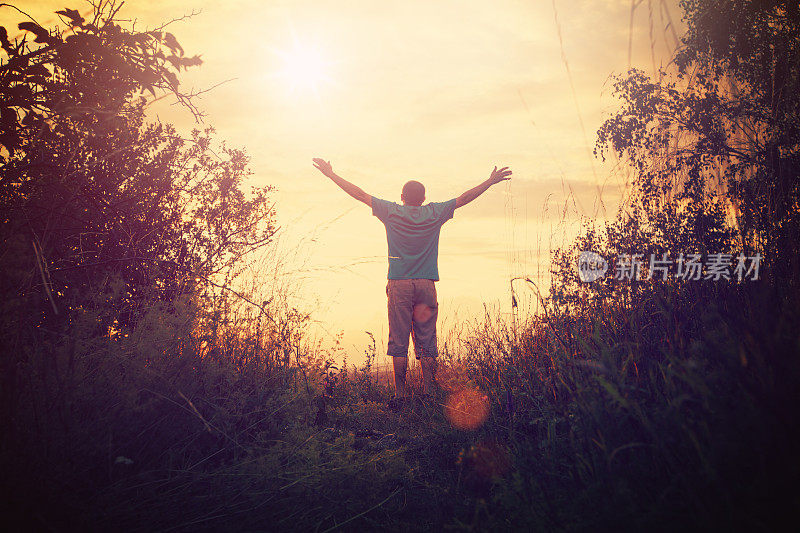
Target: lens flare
(467,408)
(487,459)
(422,313)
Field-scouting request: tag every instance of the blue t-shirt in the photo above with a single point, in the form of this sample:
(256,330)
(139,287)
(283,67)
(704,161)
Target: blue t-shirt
(413,236)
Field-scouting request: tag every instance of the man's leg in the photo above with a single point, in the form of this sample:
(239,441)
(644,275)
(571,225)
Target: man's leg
(400,294)
(423,331)
(400,366)
(429,365)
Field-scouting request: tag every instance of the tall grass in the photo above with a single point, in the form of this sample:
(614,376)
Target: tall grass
(674,412)
(670,413)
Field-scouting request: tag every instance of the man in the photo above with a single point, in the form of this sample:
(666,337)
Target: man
(412,233)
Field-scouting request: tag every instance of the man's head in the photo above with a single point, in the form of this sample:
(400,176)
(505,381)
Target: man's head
(413,193)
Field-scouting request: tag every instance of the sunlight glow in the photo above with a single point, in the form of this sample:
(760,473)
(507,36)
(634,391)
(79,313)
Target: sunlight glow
(304,68)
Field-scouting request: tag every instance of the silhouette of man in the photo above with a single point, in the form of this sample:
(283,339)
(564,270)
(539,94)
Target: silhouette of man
(412,233)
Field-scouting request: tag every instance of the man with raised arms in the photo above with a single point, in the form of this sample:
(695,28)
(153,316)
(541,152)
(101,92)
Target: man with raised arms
(412,233)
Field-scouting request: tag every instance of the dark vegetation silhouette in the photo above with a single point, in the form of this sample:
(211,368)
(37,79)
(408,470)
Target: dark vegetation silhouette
(142,391)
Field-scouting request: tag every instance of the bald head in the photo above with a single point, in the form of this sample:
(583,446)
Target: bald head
(413,193)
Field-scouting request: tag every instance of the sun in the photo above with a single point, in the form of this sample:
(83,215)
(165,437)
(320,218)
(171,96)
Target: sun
(304,68)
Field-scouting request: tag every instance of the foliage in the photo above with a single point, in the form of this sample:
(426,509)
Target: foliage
(664,416)
(86,73)
(656,416)
(724,125)
(116,233)
(94,200)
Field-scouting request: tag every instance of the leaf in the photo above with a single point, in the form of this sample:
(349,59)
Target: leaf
(38,80)
(75,18)
(19,95)
(33,120)
(172,78)
(613,391)
(42,35)
(4,39)
(142,38)
(191,61)
(172,42)
(8,117)
(37,70)
(175,60)
(9,141)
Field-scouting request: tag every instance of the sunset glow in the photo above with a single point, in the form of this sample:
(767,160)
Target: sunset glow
(407,90)
(304,68)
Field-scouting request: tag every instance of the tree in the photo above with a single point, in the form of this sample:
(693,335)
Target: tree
(723,128)
(100,210)
(85,73)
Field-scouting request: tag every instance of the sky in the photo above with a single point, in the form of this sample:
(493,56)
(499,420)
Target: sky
(439,92)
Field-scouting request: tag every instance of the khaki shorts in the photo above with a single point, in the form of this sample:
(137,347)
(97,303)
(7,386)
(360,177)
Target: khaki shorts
(412,310)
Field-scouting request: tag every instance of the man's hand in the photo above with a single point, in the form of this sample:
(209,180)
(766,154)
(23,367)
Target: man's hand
(496,177)
(499,175)
(325,166)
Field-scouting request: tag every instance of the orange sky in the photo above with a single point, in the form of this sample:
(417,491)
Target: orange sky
(433,91)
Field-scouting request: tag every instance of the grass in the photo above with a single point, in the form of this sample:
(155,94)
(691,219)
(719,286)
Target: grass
(663,415)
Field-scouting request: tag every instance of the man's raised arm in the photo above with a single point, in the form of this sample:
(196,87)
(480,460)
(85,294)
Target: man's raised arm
(354,191)
(496,177)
